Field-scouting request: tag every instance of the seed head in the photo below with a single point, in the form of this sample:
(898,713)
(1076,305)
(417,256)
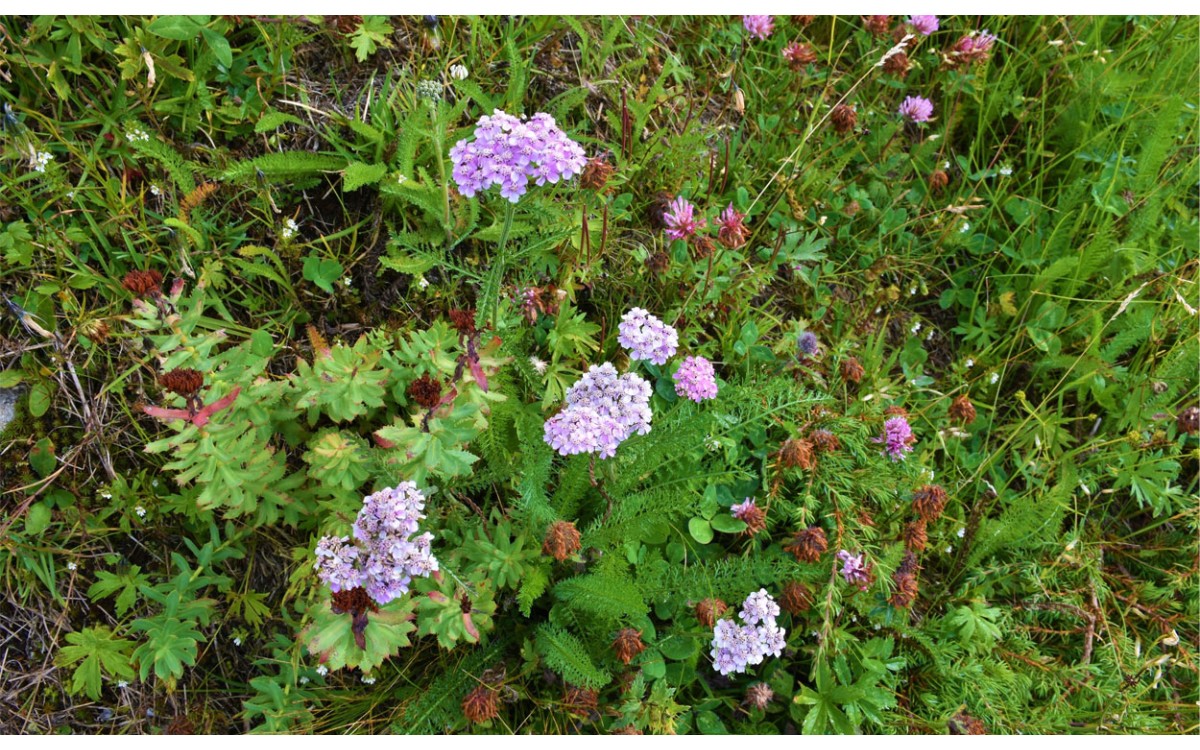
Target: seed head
(596,173)
(753,516)
(1188,420)
(797,453)
(580,701)
(825,441)
(562,540)
(897,64)
(759,695)
(182,382)
(844,117)
(480,705)
(808,545)
(915,537)
(964,723)
(142,283)
(852,371)
(962,410)
(796,598)
(938,179)
(877,25)
(628,644)
(929,501)
(426,391)
(709,610)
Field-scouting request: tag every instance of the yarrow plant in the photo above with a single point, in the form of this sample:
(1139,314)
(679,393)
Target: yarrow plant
(759,27)
(736,647)
(646,337)
(384,556)
(696,379)
(509,153)
(603,410)
(897,438)
(916,109)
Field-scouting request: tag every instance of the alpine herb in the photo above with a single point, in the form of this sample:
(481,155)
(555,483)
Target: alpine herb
(695,379)
(736,647)
(509,153)
(646,337)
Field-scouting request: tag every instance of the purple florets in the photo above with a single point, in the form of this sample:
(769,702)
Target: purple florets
(759,27)
(807,343)
(735,647)
(509,153)
(925,25)
(897,438)
(581,429)
(916,109)
(603,409)
(383,558)
(646,337)
(696,379)
(854,570)
(681,221)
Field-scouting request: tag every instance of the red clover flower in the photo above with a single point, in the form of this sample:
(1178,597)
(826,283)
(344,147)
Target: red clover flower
(732,228)
(759,27)
(681,220)
(916,109)
(925,25)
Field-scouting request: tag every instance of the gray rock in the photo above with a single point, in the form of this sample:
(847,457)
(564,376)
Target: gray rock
(8,406)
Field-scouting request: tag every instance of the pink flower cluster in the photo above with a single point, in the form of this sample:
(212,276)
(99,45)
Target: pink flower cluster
(924,25)
(916,109)
(509,153)
(740,511)
(696,379)
(736,647)
(603,410)
(681,221)
(897,438)
(759,27)
(384,556)
(646,337)
(854,570)
(974,47)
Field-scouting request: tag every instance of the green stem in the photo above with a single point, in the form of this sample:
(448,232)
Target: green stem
(510,209)
(438,142)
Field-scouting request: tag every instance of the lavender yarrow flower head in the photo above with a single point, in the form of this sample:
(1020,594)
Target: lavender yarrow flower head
(696,379)
(854,570)
(680,218)
(383,558)
(897,438)
(581,429)
(338,563)
(925,25)
(625,398)
(735,647)
(916,109)
(509,153)
(808,343)
(646,337)
(759,27)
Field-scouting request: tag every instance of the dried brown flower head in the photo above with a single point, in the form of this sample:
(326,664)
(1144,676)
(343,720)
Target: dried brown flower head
(915,537)
(596,173)
(964,723)
(795,598)
(877,25)
(906,590)
(896,411)
(809,544)
(142,283)
(929,501)
(825,441)
(182,381)
(844,117)
(580,701)
(797,453)
(628,644)
(344,25)
(1188,420)
(463,321)
(852,371)
(658,262)
(804,20)
(962,410)
(759,696)
(353,601)
(755,519)
(562,540)
(938,179)
(798,55)
(897,64)
(702,246)
(480,705)
(426,391)
(708,611)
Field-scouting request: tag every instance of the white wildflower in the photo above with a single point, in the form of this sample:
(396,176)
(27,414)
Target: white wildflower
(538,365)
(40,160)
(237,641)
(303,680)
(459,72)
(289,229)
(401,179)
(137,134)
(969,363)
(347,281)
(106,495)
(368,680)
(995,378)
(72,566)
(141,512)
(961,533)
(966,227)
(422,282)
(322,670)
(1005,170)
(122,684)
(154,190)
(929,335)
(949,549)
(915,327)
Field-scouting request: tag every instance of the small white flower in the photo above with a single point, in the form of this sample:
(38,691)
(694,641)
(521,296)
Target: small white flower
(72,566)
(137,134)
(347,281)
(966,227)
(946,164)
(915,327)
(538,365)
(995,378)
(912,290)
(141,512)
(422,282)
(303,680)
(1005,170)
(459,72)
(401,179)
(322,670)
(289,229)
(40,160)
(969,363)
(153,482)
(106,495)
(949,550)
(878,626)
(367,680)
(929,335)
(237,641)
(154,190)
(961,533)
